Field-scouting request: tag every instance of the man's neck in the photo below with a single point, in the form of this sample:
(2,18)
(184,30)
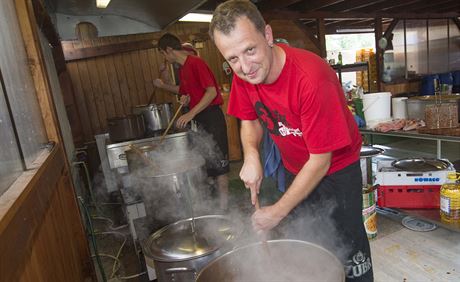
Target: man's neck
(279,59)
(181,57)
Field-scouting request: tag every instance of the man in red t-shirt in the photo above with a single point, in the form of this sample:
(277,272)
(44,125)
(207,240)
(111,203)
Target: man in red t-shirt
(200,91)
(297,97)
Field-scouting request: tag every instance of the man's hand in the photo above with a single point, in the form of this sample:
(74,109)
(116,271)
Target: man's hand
(266,218)
(184,100)
(252,174)
(158,83)
(184,119)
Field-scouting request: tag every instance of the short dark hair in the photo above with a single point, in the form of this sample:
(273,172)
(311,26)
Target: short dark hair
(226,14)
(169,40)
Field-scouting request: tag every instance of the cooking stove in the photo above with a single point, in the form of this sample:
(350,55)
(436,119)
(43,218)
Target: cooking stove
(387,174)
(399,188)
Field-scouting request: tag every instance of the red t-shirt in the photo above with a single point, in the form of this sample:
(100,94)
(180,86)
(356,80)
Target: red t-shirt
(195,76)
(304,110)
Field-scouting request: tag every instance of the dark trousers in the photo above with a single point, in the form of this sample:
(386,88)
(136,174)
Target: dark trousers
(331,216)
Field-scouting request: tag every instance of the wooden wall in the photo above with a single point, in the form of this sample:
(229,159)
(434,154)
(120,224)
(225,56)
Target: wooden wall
(41,236)
(110,85)
(120,72)
(41,233)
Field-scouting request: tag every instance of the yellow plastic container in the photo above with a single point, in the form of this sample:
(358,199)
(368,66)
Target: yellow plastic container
(450,200)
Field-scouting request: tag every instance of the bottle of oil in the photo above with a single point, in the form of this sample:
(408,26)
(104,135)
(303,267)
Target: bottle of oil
(450,200)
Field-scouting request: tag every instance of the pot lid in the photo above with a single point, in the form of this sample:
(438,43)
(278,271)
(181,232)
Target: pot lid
(420,164)
(177,241)
(370,151)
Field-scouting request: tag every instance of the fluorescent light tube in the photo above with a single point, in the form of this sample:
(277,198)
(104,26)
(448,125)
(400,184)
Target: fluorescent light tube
(196,17)
(102,4)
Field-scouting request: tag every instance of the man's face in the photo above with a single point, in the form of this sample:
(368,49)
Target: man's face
(167,54)
(247,50)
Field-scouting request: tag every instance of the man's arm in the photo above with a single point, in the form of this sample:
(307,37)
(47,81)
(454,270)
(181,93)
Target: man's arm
(168,87)
(304,183)
(207,98)
(251,173)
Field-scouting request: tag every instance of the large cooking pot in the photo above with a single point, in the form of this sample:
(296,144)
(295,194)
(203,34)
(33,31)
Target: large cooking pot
(172,185)
(126,128)
(278,260)
(178,254)
(156,116)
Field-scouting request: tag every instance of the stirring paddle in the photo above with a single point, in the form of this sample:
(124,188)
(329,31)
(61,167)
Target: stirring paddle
(170,124)
(146,160)
(262,236)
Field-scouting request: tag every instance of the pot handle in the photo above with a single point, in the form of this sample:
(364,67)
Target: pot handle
(179,270)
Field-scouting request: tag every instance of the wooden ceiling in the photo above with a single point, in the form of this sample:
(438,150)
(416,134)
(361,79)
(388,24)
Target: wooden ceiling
(351,14)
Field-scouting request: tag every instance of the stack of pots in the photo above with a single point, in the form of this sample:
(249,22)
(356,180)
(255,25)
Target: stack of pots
(126,128)
(156,116)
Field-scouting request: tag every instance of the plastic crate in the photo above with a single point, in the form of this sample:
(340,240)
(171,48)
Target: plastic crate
(409,197)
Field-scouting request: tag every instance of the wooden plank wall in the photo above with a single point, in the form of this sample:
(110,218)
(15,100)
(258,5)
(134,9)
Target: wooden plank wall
(41,236)
(109,86)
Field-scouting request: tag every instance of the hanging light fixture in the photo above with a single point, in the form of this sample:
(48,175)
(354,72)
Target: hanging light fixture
(102,4)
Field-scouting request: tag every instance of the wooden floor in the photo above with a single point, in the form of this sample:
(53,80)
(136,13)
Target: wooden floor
(400,254)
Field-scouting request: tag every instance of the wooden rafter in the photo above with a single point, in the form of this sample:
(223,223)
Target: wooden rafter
(316,4)
(348,6)
(388,5)
(354,15)
(275,4)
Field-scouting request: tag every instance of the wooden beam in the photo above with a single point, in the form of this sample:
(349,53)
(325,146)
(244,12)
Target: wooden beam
(36,64)
(322,37)
(275,4)
(308,32)
(317,4)
(456,22)
(282,14)
(378,29)
(72,54)
(390,28)
(388,5)
(413,6)
(348,6)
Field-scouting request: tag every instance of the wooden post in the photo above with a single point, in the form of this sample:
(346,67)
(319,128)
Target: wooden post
(378,51)
(322,37)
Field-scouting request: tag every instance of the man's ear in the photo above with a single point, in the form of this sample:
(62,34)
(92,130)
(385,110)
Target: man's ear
(168,50)
(269,35)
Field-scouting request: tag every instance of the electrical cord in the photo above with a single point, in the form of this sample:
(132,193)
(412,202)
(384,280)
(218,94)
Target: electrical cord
(93,240)
(116,261)
(117,264)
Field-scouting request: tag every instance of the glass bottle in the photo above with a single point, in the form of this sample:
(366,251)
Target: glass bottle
(339,58)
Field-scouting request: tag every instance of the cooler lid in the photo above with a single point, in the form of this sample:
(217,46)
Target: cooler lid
(177,242)
(420,164)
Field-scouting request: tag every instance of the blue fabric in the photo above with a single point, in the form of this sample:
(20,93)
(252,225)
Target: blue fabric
(359,121)
(273,166)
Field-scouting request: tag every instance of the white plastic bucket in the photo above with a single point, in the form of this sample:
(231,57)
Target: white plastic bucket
(377,107)
(399,107)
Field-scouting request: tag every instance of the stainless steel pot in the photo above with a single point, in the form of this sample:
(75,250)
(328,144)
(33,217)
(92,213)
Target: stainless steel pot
(156,116)
(279,260)
(179,254)
(126,128)
(171,183)
(421,164)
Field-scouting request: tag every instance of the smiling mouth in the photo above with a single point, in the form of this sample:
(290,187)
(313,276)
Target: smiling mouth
(251,74)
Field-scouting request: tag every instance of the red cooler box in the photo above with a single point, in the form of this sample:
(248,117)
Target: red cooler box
(409,189)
